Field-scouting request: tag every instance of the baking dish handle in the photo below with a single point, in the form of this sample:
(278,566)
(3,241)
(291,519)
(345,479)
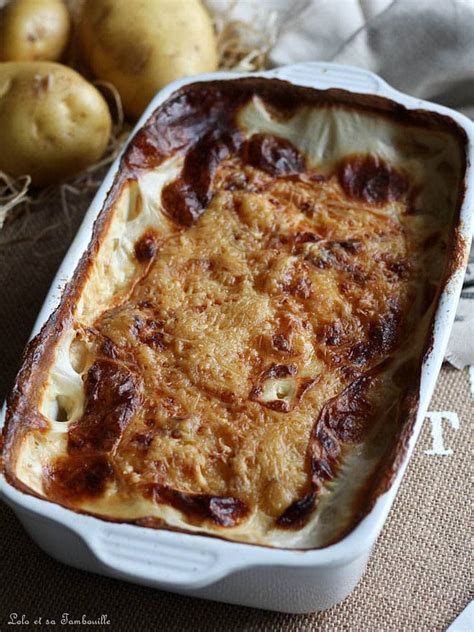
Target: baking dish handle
(328,75)
(160,558)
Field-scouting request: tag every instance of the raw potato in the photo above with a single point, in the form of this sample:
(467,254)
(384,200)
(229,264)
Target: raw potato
(142,46)
(53,123)
(33,30)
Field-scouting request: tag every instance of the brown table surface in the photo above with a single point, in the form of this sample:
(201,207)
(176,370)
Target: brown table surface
(419,575)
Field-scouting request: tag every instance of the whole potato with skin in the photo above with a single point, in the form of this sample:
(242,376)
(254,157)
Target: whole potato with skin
(141,46)
(53,123)
(33,30)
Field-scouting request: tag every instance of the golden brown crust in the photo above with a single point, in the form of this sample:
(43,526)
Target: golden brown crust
(326,265)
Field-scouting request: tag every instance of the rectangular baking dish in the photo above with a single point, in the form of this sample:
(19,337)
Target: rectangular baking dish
(276,579)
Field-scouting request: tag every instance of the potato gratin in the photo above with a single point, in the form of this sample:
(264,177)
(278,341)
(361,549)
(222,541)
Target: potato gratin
(239,350)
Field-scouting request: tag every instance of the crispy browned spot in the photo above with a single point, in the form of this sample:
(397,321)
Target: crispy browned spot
(346,415)
(109,349)
(279,371)
(112,397)
(281,343)
(372,180)
(224,511)
(145,248)
(185,199)
(381,337)
(150,332)
(78,477)
(298,512)
(275,155)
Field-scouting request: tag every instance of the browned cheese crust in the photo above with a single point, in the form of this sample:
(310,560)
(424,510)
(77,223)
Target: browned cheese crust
(268,337)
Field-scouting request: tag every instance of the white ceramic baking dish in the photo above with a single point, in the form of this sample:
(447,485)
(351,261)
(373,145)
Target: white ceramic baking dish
(285,580)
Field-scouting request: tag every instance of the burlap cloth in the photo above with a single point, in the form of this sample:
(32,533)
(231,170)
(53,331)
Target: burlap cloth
(419,575)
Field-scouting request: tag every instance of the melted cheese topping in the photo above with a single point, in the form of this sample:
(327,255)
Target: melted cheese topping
(242,328)
(239,375)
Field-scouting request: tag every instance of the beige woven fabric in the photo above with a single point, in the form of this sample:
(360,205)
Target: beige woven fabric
(418,578)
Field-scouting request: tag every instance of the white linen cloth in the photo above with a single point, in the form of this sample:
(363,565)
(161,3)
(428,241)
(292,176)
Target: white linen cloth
(422,47)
